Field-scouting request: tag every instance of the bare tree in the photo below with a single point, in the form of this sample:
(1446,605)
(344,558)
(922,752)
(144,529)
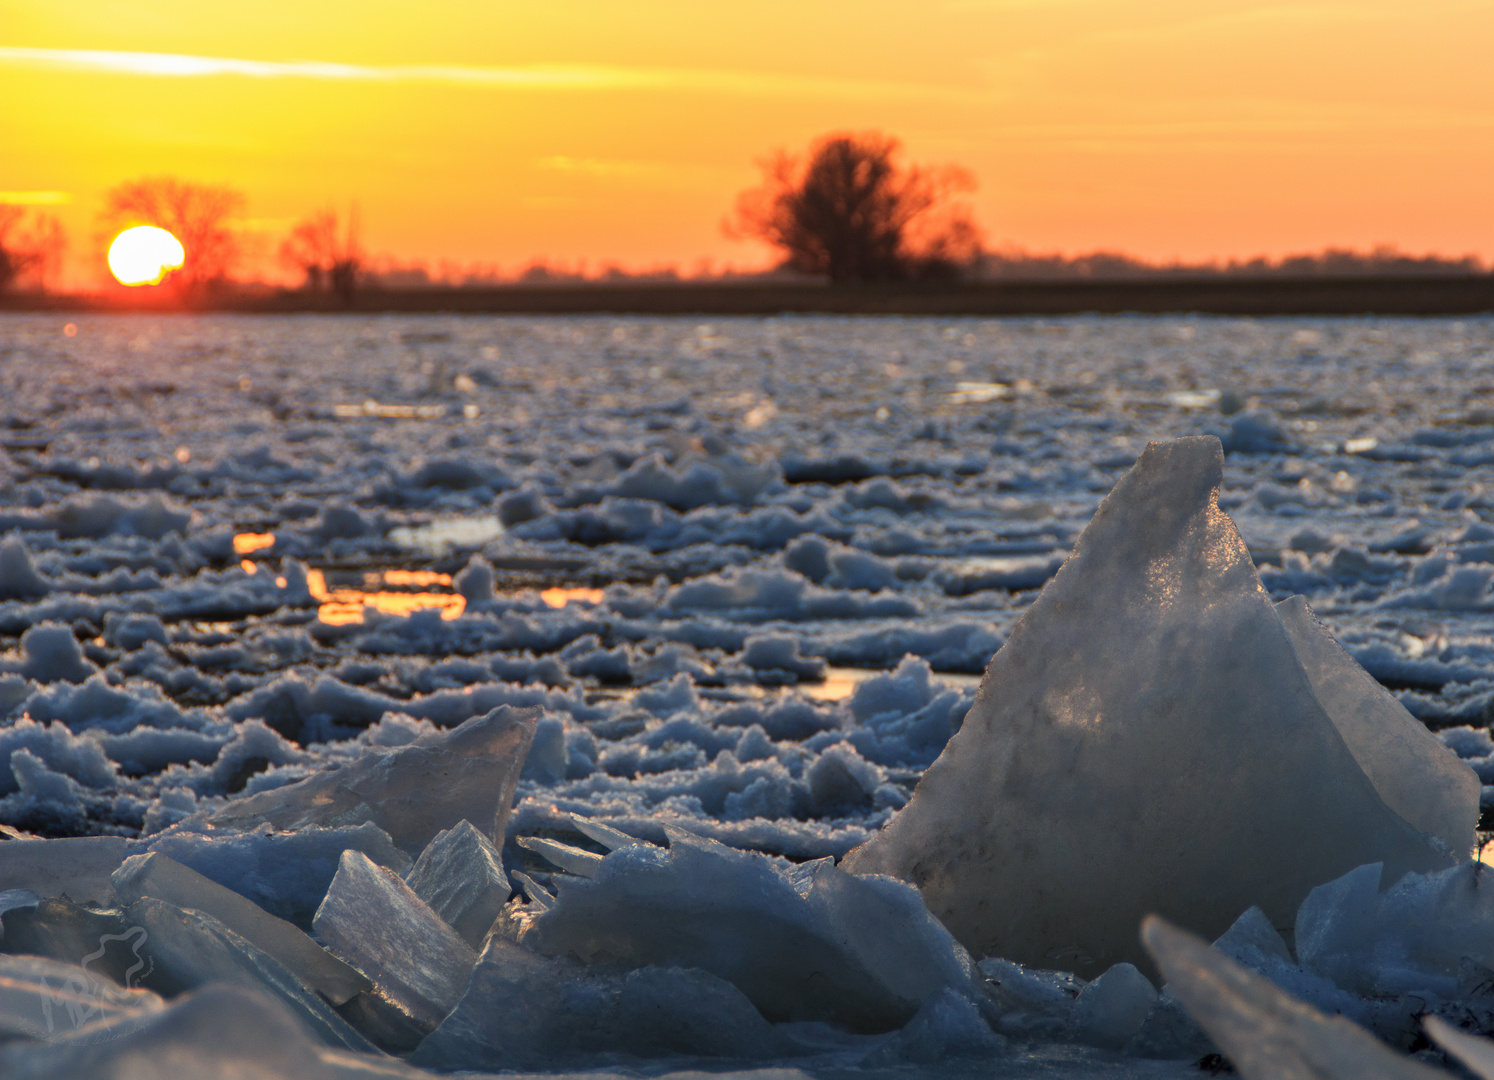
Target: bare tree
(329,262)
(198,215)
(854,213)
(31,246)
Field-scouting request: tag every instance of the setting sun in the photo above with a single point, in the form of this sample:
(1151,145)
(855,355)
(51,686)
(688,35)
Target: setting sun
(144,255)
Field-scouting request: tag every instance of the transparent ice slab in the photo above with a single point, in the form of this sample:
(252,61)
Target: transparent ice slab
(375,922)
(413,792)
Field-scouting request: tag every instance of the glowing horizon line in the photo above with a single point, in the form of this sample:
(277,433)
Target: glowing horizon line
(576,77)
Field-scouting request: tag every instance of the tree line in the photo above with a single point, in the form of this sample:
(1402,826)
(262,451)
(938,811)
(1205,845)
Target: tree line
(850,210)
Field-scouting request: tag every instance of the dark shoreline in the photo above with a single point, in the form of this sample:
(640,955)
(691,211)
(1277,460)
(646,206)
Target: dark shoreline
(1415,295)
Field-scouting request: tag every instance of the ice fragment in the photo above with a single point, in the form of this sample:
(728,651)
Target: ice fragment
(526,1011)
(460,875)
(573,859)
(154,875)
(411,792)
(1265,1032)
(861,952)
(1146,740)
(76,867)
(376,923)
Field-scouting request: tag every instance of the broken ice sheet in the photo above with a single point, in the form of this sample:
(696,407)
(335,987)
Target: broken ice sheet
(1265,1032)
(824,945)
(526,1011)
(77,867)
(412,792)
(186,950)
(460,875)
(42,999)
(1148,740)
(378,925)
(220,1032)
(154,875)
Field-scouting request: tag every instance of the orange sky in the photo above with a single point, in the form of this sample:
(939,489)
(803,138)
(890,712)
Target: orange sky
(496,131)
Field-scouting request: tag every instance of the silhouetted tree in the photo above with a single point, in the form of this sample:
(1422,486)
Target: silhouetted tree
(854,213)
(199,215)
(329,262)
(31,245)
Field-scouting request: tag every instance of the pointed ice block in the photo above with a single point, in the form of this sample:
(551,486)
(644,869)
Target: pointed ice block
(412,792)
(376,923)
(460,875)
(154,875)
(1265,1032)
(1148,740)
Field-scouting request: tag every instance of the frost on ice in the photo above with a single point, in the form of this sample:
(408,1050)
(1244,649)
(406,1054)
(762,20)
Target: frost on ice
(1151,740)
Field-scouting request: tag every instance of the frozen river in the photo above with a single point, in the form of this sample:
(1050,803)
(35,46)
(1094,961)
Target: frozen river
(687,521)
(750,569)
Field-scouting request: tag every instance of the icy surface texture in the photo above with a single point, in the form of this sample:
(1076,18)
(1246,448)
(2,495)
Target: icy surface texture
(75,867)
(158,877)
(412,792)
(185,950)
(217,1033)
(460,875)
(1417,776)
(1152,688)
(286,873)
(1266,1033)
(524,1011)
(44,999)
(373,921)
(1415,937)
(824,945)
(807,537)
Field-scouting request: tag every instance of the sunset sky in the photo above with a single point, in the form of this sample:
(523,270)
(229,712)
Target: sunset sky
(485,130)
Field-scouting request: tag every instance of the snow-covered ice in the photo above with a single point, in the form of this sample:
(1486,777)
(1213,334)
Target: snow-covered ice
(255,573)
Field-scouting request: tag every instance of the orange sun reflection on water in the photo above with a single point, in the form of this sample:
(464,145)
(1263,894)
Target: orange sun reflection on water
(342,604)
(393,592)
(559,598)
(247,543)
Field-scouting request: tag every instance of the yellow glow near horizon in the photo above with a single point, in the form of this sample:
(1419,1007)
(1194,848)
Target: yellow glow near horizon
(144,255)
(496,132)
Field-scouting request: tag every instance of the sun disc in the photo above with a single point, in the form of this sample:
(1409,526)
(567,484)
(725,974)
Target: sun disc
(144,254)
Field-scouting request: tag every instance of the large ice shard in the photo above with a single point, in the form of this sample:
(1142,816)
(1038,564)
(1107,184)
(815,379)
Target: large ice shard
(154,875)
(460,875)
(411,792)
(824,945)
(376,923)
(525,1011)
(1265,1032)
(1148,740)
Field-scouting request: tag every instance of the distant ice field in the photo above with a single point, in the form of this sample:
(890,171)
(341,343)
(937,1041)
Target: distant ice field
(753,568)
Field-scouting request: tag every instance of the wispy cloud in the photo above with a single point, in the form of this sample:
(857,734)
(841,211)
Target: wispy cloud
(34,198)
(542,77)
(597,166)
